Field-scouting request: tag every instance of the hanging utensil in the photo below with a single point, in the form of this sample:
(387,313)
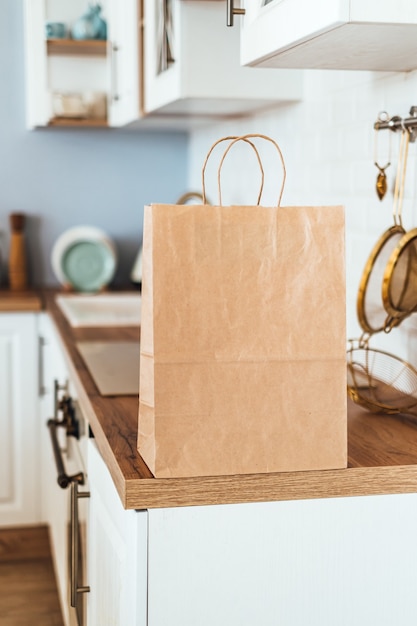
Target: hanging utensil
(377,380)
(381,181)
(399,284)
(371,312)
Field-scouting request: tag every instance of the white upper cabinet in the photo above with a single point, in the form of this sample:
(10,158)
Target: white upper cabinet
(87,82)
(192,65)
(330,34)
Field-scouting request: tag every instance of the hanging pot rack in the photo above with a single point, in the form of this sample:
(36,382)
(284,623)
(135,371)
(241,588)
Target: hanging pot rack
(397,123)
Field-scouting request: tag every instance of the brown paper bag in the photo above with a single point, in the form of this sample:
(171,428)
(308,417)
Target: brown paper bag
(243,363)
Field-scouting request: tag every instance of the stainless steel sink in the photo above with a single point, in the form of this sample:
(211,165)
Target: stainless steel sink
(107,309)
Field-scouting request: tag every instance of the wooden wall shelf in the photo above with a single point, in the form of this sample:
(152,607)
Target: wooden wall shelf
(88,47)
(78,122)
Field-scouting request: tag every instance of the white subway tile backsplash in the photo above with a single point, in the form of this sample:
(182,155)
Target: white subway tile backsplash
(328,141)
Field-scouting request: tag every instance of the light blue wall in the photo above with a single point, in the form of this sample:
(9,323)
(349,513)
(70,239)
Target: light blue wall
(62,178)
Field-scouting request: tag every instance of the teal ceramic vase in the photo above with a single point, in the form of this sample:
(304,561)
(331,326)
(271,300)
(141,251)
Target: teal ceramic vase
(90,25)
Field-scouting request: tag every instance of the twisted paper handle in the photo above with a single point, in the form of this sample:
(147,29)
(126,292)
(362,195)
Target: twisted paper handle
(235,138)
(246,138)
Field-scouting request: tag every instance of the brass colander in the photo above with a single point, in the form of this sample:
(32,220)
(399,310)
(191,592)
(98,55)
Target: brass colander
(381,382)
(399,285)
(370,306)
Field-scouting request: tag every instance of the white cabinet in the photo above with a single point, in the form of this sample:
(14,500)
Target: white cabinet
(192,66)
(117,553)
(72,82)
(347,34)
(19,420)
(54,501)
(319,562)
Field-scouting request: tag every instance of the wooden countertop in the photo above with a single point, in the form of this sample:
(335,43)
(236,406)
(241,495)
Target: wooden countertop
(14,301)
(382,449)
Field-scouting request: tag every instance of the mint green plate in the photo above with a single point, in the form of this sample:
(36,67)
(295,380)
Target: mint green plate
(88,265)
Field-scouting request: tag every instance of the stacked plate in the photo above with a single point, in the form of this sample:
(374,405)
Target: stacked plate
(84,258)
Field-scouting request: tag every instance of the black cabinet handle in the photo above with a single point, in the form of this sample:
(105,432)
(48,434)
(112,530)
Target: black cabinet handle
(63,478)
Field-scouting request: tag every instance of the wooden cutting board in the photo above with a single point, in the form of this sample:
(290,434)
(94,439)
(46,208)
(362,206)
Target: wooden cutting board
(114,365)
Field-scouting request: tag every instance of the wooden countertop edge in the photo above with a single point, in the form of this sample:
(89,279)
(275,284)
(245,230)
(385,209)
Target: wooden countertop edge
(20,301)
(363,481)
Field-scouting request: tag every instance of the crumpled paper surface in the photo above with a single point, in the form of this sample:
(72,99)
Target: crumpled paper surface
(243,339)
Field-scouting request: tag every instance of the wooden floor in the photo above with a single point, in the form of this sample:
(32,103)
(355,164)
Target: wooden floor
(28,593)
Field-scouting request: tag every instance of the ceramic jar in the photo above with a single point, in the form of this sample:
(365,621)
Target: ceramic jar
(90,25)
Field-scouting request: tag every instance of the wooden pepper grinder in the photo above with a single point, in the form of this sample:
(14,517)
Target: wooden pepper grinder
(18,279)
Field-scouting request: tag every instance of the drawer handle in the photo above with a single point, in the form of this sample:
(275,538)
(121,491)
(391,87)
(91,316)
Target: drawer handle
(232,11)
(63,478)
(41,366)
(75,546)
(114,49)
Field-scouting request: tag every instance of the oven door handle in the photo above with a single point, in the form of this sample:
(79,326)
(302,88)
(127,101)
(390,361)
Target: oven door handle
(75,546)
(63,478)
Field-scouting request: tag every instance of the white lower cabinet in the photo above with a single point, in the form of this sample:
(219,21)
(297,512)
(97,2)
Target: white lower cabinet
(318,562)
(117,553)
(55,502)
(334,562)
(19,426)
